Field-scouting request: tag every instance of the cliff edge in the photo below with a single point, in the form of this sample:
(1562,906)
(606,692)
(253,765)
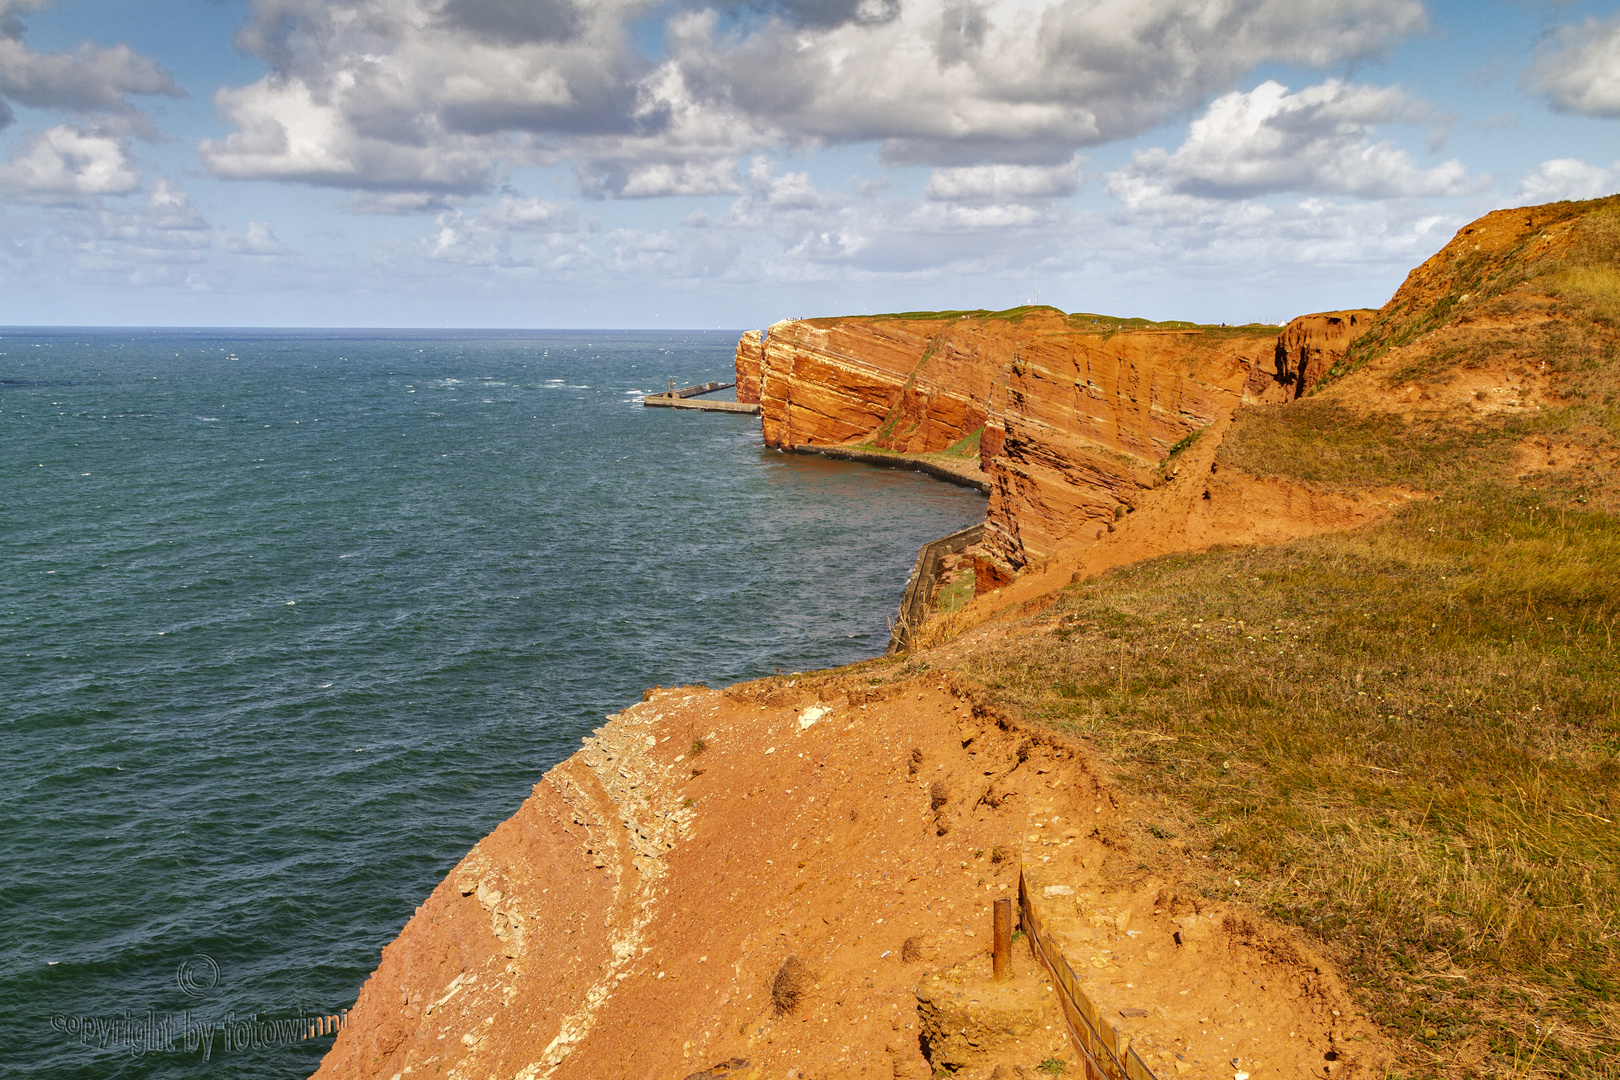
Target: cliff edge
(1284,707)
(1074,414)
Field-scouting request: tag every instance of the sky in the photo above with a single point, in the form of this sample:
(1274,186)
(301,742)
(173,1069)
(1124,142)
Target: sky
(728,163)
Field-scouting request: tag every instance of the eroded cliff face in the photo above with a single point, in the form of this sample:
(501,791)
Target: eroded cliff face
(1308,348)
(911,384)
(1076,414)
(750,360)
(1090,417)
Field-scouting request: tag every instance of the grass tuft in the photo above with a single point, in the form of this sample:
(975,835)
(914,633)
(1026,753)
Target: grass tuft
(967,446)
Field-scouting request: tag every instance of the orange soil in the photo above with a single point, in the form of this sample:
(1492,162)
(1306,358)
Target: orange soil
(833,821)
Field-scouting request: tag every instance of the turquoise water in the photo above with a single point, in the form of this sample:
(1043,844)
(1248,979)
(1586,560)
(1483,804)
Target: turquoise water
(289,620)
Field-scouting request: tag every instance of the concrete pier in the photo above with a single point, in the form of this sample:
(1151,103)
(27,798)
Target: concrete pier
(663,401)
(675,398)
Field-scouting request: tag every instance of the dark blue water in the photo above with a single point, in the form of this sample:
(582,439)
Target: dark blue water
(289,620)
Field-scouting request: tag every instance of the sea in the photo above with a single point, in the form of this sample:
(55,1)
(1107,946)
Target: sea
(290,619)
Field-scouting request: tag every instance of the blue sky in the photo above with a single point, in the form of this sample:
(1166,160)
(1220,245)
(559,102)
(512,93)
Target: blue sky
(691,163)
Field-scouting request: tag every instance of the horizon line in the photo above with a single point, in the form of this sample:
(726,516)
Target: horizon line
(22,327)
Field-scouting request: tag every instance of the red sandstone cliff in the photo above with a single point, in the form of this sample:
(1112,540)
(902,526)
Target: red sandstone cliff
(1077,414)
(1309,346)
(915,384)
(1089,417)
(750,359)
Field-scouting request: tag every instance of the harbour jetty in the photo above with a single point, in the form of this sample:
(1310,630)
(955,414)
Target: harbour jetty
(678,398)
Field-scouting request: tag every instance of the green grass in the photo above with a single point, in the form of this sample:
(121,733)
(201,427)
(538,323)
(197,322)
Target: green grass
(967,446)
(1013,313)
(1407,739)
(909,316)
(1093,322)
(1325,444)
(1184,442)
(954,596)
(1080,320)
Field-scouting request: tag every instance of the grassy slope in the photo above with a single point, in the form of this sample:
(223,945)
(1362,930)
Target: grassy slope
(1084,321)
(1405,740)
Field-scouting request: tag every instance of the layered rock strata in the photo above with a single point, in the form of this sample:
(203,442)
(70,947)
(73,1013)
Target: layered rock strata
(749,363)
(915,384)
(1090,417)
(1076,415)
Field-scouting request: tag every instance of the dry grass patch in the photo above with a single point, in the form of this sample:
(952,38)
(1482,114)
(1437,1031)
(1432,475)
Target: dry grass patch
(1406,741)
(789,987)
(1327,445)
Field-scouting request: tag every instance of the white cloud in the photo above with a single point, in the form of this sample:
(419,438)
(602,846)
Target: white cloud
(954,81)
(1577,68)
(1567,178)
(1318,140)
(534,215)
(422,96)
(160,240)
(286,131)
(258,239)
(164,242)
(435,98)
(1283,200)
(788,191)
(65,164)
(682,178)
(1004,183)
(168,206)
(387,203)
(485,239)
(168,226)
(819,235)
(86,80)
(637,252)
(1251,246)
(469,241)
